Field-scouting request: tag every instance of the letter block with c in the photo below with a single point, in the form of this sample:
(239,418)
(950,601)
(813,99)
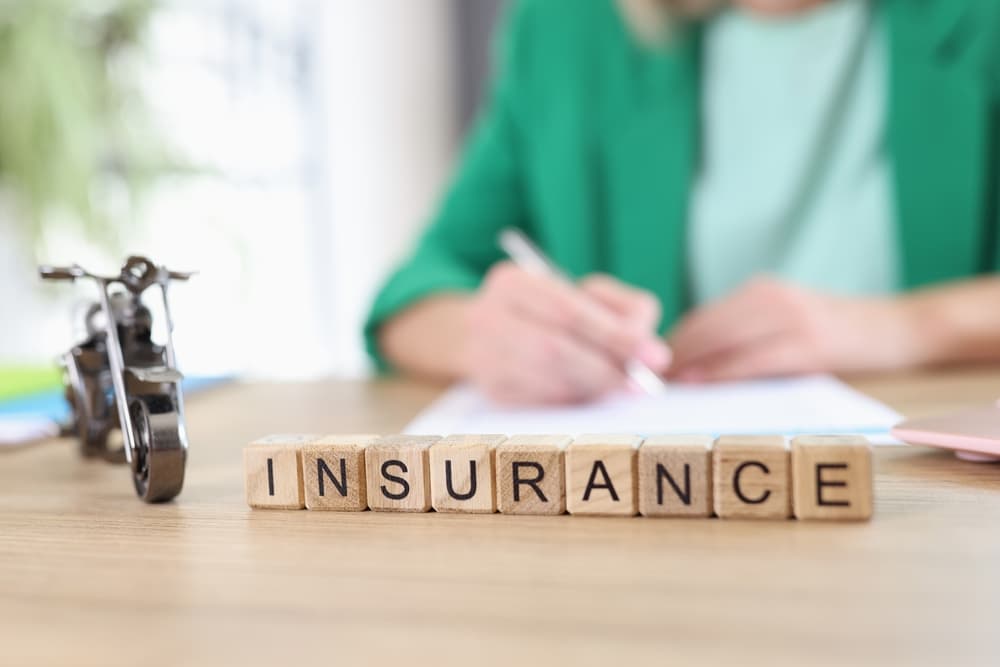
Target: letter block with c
(751,477)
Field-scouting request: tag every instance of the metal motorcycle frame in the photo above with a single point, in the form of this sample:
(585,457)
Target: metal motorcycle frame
(118,377)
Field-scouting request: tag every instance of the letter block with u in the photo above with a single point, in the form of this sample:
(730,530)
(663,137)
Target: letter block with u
(462,473)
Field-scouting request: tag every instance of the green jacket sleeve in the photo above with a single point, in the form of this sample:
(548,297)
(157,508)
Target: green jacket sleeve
(485,196)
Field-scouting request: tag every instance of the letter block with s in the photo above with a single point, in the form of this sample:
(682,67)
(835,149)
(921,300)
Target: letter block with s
(398,473)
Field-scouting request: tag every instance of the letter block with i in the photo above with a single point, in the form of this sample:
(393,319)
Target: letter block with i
(530,474)
(462,473)
(675,476)
(333,471)
(752,477)
(398,473)
(601,475)
(274,472)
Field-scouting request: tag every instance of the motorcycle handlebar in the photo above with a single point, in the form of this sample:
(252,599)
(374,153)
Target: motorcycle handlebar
(61,272)
(76,271)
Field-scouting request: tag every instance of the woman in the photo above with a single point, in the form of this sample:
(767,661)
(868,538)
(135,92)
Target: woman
(784,186)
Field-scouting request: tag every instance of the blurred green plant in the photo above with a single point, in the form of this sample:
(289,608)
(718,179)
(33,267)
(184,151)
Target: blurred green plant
(73,126)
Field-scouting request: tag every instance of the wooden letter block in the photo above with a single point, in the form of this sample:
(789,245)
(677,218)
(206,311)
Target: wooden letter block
(274,473)
(333,469)
(399,473)
(752,477)
(675,476)
(832,477)
(530,476)
(601,475)
(462,473)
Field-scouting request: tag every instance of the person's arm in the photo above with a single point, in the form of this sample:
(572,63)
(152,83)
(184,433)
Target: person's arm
(460,245)
(954,323)
(455,311)
(770,327)
(524,338)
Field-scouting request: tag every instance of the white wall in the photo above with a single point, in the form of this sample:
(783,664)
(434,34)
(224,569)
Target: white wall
(386,89)
(317,180)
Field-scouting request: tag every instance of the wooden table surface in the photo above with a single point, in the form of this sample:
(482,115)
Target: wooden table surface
(91,576)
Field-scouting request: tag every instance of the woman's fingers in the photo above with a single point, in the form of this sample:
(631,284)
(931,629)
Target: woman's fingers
(638,306)
(532,363)
(761,309)
(568,308)
(771,356)
(640,309)
(518,357)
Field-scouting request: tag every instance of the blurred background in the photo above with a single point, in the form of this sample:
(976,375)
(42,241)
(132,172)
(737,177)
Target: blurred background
(288,151)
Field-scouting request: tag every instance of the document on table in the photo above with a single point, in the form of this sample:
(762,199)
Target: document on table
(817,404)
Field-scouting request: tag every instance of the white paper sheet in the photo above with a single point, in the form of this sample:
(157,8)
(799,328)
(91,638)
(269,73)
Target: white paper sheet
(807,405)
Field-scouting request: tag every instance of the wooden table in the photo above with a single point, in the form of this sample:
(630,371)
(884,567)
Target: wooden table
(91,576)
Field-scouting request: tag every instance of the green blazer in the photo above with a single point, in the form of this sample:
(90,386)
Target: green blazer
(590,143)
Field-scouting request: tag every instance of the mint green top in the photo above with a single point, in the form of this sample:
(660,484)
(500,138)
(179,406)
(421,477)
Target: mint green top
(795,179)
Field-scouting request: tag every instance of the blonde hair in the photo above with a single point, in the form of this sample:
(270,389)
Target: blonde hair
(652,21)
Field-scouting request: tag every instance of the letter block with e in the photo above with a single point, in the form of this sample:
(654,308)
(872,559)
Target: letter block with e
(833,477)
(752,477)
(530,476)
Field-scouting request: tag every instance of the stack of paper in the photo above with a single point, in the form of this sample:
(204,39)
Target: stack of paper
(814,404)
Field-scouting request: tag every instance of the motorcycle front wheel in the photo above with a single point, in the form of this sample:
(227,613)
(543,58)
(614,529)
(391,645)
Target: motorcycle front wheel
(160,452)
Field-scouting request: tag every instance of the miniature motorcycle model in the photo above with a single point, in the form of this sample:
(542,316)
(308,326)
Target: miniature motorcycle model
(118,377)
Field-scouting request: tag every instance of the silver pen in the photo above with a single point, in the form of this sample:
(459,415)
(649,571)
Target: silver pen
(529,257)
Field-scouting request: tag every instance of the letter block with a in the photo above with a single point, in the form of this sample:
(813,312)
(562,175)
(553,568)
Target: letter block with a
(832,477)
(399,474)
(272,466)
(530,476)
(462,473)
(333,471)
(752,477)
(675,476)
(601,475)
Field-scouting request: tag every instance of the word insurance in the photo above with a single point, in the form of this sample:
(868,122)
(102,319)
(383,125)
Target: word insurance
(753,477)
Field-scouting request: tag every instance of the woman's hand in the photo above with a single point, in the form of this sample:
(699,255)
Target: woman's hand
(770,327)
(536,339)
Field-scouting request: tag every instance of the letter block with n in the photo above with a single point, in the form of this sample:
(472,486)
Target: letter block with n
(333,470)
(675,476)
(462,473)
(530,476)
